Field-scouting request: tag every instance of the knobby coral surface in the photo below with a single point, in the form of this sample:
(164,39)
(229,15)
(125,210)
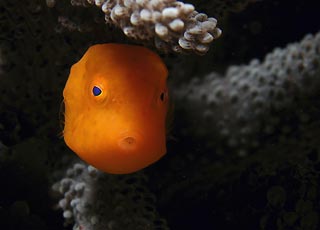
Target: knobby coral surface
(245,107)
(96,200)
(173,25)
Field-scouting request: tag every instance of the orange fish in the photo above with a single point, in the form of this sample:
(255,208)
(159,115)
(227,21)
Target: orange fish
(116,103)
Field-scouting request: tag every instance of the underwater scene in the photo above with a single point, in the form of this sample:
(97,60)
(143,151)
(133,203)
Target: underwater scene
(159,114)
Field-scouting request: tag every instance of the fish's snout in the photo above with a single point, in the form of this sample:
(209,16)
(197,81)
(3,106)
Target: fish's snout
(129,141)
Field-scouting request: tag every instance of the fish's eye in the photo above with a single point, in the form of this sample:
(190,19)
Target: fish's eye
(163,96)
(96,91)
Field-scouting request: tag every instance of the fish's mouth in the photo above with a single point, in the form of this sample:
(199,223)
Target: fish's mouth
(130,141)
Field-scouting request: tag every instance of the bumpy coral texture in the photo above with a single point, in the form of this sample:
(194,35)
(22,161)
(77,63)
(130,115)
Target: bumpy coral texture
(99,201)
(244,107)
(174,25)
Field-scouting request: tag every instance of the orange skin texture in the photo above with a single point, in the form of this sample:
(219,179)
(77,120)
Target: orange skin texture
(123,129)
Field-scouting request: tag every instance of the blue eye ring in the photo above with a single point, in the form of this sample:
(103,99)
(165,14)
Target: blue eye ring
(96,91)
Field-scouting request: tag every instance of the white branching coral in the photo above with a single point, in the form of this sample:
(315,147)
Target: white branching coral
(172,24)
